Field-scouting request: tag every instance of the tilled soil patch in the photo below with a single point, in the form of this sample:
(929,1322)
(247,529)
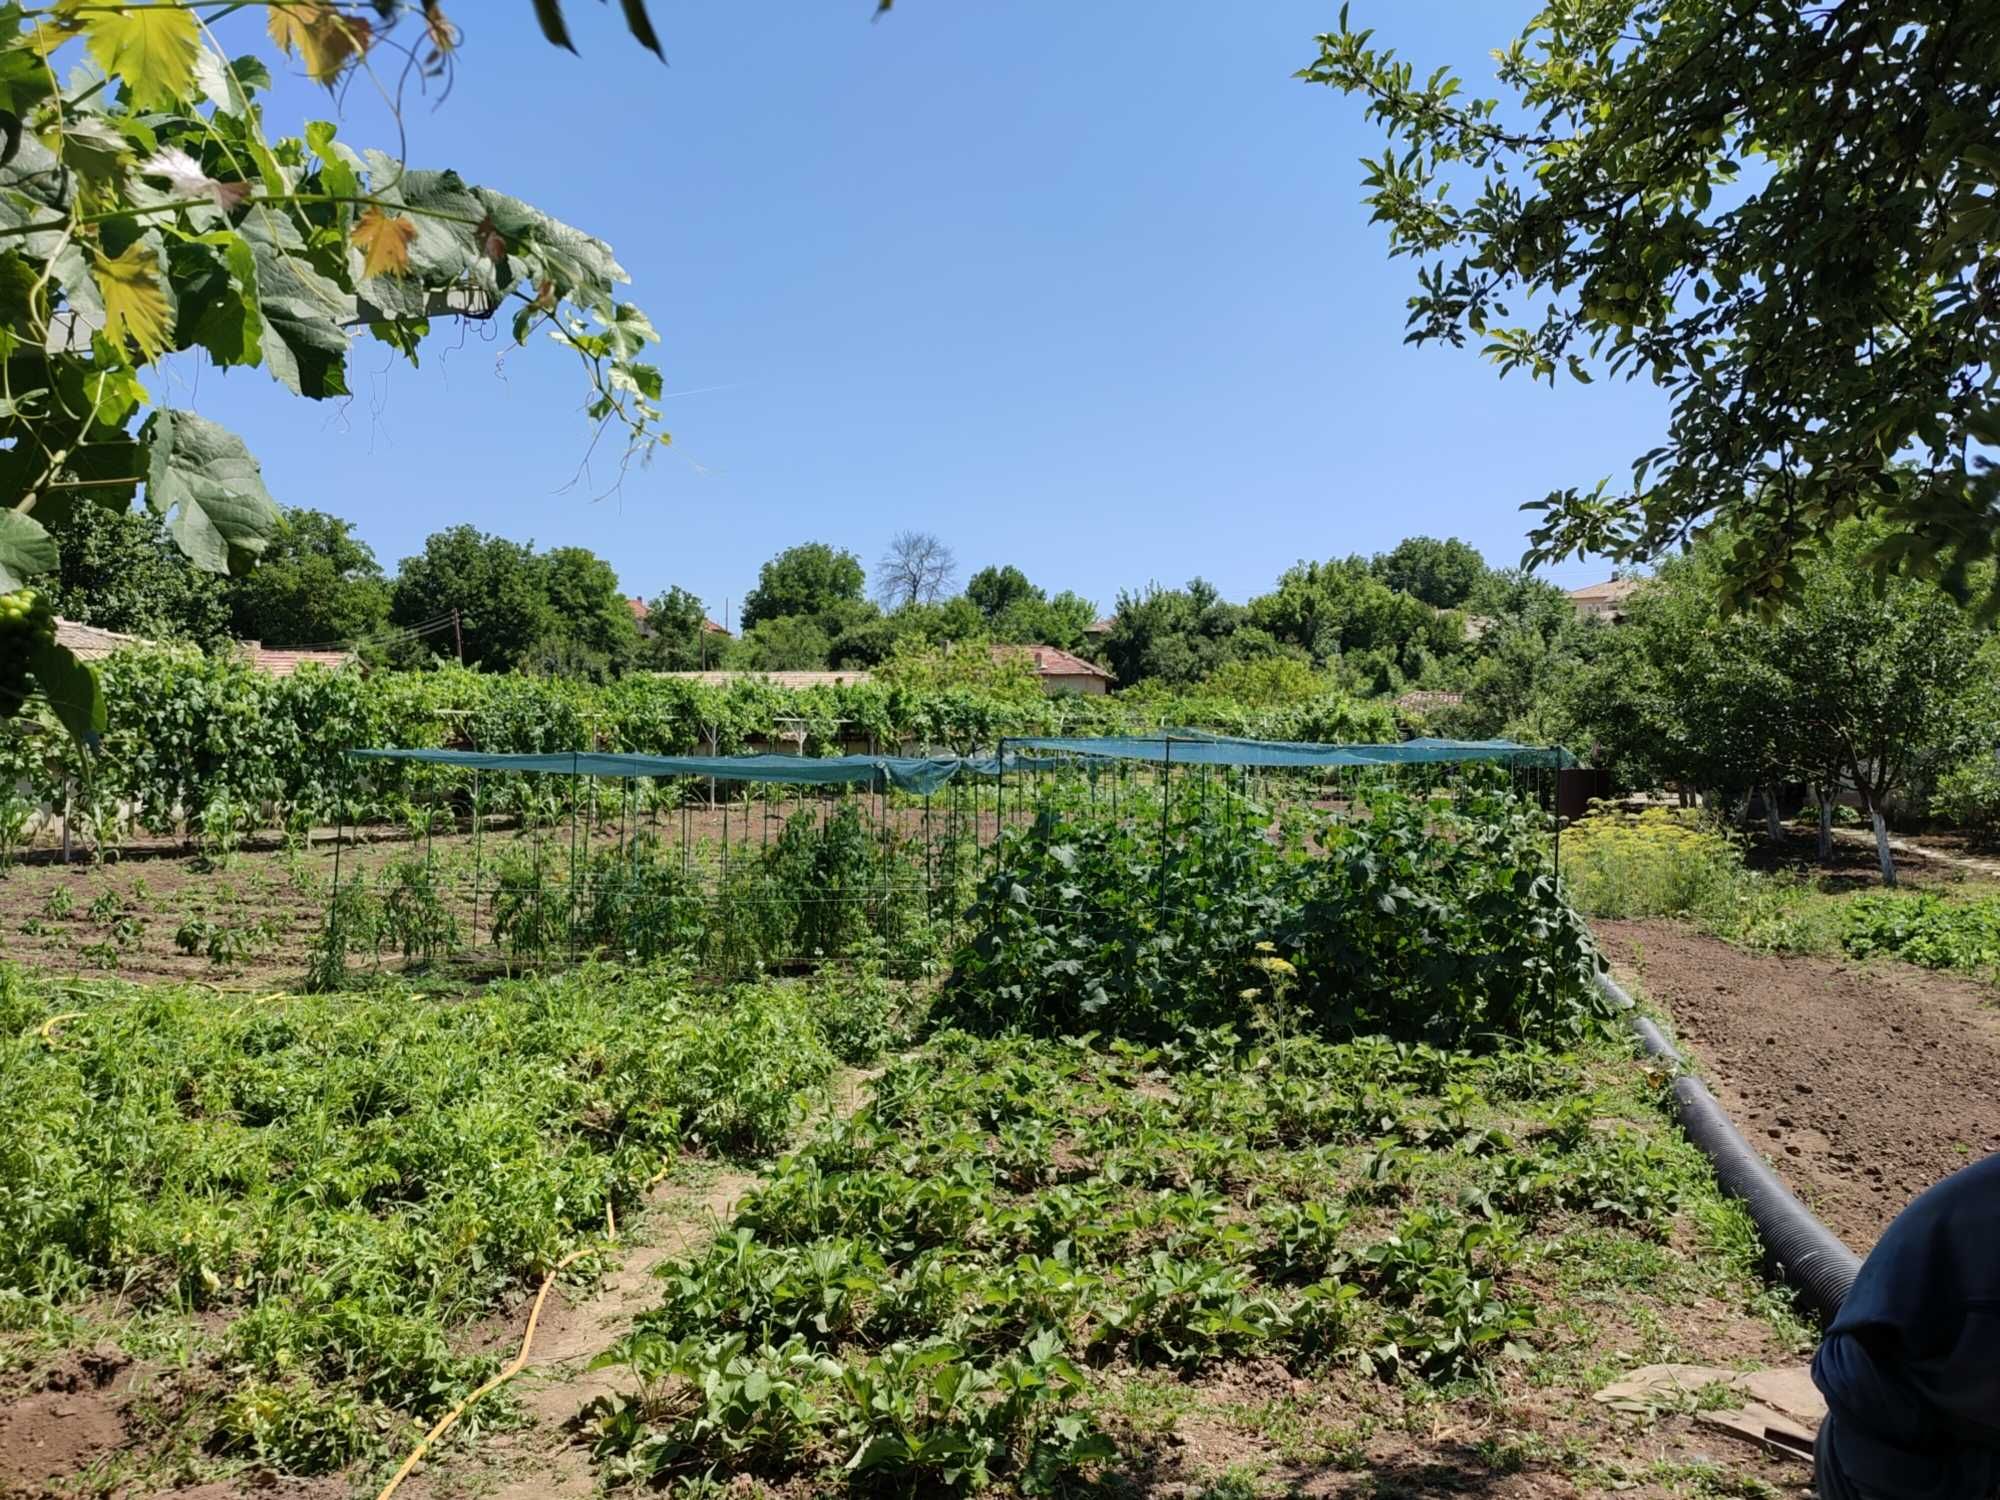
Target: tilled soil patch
(1863,1083)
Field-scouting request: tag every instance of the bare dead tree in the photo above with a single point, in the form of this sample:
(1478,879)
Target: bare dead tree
(917,569)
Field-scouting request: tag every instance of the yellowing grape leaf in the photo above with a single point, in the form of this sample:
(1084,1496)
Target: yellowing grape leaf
(150,49)
(384,243)
(442,34)
(134,305)
(322,37)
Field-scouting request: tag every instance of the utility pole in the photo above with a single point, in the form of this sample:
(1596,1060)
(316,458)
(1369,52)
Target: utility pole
(458,638)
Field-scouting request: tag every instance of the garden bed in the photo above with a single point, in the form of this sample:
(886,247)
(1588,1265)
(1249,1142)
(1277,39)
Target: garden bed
(262,1236)
(1863,1082)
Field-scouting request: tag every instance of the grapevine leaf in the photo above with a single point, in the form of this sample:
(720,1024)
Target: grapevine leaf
(384,243)
(89,144)
(74,693)
(25,550)
(548,13)
(229,85)
(210,489)
(301,311)
(445,248)
(324,38)
(545,249)
(340,168)
(151,49)
(217,278)
(442,35)
(641,27)
(134,304)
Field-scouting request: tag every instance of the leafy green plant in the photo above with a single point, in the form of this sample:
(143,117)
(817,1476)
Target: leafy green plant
(353,924)
(224,943)
(1433,918)
(415,916)
(16,813)
(1924,929)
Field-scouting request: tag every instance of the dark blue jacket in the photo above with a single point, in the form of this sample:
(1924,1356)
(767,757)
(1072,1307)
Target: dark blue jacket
(1913,1356)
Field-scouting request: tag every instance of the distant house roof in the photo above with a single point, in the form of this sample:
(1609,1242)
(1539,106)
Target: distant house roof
(781,679)
(1609,591)
(1426,700)
(1605,598)
(277,661)
(92,643)
(1099,627)
(1049,661)
(642,612)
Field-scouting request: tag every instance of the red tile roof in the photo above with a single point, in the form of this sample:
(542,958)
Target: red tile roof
(91,643)
(1049,661)
(278,662)
(639,609)
(781,679)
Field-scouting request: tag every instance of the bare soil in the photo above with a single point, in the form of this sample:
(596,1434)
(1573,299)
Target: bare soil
(1863,1082)
(76,1417)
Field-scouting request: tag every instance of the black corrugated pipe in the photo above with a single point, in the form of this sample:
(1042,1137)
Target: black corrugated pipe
(1803,1250)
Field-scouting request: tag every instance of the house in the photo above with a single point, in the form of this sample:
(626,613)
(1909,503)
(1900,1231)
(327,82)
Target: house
(1427,701)
(275,661)
(777,679)
(1097,630)
(1605,601)
(1058,670)
(92,643)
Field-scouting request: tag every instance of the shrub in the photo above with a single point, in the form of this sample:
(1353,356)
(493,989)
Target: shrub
(1969,793)
(1434,919)
(1441,920)
(1658,863)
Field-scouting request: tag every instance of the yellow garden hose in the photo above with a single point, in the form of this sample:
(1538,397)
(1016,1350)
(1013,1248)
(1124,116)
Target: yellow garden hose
(520,1363)
(49,1026)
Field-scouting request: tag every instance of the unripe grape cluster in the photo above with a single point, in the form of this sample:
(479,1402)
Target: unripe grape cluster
(25,621)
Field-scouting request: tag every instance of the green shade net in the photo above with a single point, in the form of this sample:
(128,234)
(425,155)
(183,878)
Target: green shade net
(877,772)
(1198,749)
(924,775)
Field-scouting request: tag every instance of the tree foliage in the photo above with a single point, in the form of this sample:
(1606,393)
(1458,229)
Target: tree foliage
(1854,684)
(144,212)
(996,587)
(811,579)
(1443,574)
(120,570)
(1177,636)
(1340,612)
(561,613)
(676,634)
(317,585)
(1783,216)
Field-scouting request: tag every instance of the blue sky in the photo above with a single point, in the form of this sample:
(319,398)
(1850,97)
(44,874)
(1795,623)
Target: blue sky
(1085,288)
